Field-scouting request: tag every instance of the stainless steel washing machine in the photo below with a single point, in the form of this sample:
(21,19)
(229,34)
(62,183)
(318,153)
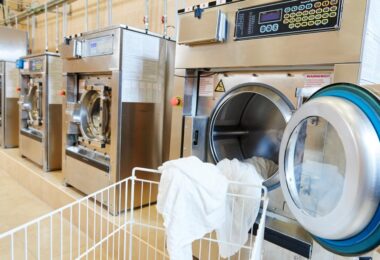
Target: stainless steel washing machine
(256,89)
(40,133)
(117,81)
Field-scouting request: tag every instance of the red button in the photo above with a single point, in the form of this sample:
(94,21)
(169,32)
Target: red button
(18,89)
(62,93)
(175,101)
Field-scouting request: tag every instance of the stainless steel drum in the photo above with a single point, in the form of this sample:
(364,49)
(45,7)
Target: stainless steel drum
(33,104)
(249,121)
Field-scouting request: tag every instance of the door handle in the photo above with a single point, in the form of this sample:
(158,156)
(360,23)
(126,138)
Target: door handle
(195,137)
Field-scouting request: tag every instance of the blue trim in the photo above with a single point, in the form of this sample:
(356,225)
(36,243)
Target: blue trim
(369,237)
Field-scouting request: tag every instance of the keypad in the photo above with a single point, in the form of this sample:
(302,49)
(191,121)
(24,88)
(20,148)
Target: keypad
(316,14)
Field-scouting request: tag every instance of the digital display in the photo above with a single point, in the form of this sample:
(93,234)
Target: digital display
(98,46)
(270,16)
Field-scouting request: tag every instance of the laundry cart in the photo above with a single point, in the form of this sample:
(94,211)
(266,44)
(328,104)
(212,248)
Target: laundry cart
(86,229)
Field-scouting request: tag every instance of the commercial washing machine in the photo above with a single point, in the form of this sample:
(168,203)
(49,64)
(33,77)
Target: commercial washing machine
(251,70)
(117,80)
(40,102)
(13,44)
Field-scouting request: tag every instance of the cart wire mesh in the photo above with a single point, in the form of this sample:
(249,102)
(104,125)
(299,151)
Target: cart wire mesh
(117,222)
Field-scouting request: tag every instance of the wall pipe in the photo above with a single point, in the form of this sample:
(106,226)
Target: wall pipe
(56,29)
(46,29)
(146,17)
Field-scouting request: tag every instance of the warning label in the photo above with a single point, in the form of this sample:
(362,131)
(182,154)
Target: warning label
(317,80)
(220,87)
(206,86)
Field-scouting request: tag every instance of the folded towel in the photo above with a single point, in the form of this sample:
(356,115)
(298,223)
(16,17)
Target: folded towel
(192,199)
(241,212)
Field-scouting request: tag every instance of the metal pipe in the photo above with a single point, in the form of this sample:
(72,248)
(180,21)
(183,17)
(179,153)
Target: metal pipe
(33,31)
(64,19)
(146,17)
(109,8)
(97,14)
(165,18)
(28,31)
(86,15)
(46,29)
(56,29)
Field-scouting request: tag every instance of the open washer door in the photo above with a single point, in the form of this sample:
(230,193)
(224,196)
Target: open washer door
(329,168)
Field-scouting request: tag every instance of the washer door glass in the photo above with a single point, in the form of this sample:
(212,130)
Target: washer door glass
(316,163)
(95,111)
(33,105)
(329,166)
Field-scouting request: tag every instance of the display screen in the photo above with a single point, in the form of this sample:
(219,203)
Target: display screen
(270,16)
(98,46)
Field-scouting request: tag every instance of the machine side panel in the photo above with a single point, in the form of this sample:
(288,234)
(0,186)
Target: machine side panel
(342,46)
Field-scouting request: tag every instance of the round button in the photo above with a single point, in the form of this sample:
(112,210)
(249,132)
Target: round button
(175,101)
(269,28)
(298,25)
(286,16)
(275,27)
(291,26)
(310,23)
(334,2)
(318,22)
(318,16)
(294,8)
(286,21)
(292,15)
(326,9)
(287,10)
(319,11)
(333,14)
(312,11)
(326,15)
(292,20)
(306,12)
(298,19)
(311,17)
(309,6)
(301,7)
(263,28)
(317,4)
(305,18)
(304,24)
(333,8)
(325,3)
(299,14)
(325,21)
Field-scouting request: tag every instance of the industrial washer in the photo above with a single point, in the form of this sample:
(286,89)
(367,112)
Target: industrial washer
(117,81)
(13,44)
(250,93)
(41,109)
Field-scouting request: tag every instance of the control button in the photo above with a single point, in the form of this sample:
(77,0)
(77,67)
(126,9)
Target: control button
(318,16)
(334,2)
(292,15)
(298,19)
(306,12)
(286,21)
(263,28)
(333,8)
(298,14)
(287,10)
(305,18)
(275,27)
(304,24)
(312,11)
(318,22)
(286,16)
(310,23)
(333,14)
(291,26)
(62,93)
(301,7)
(326,9)
(325,3)
(325,21)
(269,28)
(298,25)
(311,17)
(294,8)
(317,4)
(319,11)
(309,6)
(176,101)
(325,16)
(292,20)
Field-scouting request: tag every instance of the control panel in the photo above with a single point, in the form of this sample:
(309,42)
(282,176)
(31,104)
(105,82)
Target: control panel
(288,17)
(34,65)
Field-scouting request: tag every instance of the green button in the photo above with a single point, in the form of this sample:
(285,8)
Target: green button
(310,23)
(299,14)
(318,16)
(291,26)
(292,15)
(317,4)
(333,14)
(325,15)
(312,11)
(311,17)
(298,25)
(319,11)
(334,2)
(298,19)
(286,21)
(325,3)
(304,24)
(333,8)
(326,9)
(325,21)
(318,22)
(292,20)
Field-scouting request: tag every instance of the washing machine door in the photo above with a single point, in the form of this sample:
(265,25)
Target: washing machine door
(330,168)
(95,115)
(247,124)
(33,104)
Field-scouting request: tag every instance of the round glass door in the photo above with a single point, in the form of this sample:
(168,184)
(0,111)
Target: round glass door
(330,168)
(95,113)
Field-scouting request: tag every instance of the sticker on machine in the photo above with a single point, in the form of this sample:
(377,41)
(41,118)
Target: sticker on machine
(317,80)
(206,86)
(220,87)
